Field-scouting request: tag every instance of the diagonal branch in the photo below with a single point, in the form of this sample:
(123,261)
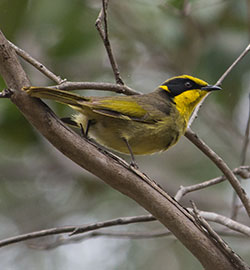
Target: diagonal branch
(103,31)
(239,58)
(27,57)
(66,85)
(223,246)
(221,79)
(222,166)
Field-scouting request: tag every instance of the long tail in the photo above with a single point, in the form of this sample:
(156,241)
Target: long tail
(58,95)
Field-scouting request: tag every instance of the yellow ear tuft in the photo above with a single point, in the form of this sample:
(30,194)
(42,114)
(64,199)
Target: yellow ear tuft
(164,87)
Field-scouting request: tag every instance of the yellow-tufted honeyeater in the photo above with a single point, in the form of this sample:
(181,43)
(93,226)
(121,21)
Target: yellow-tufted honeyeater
(138,124)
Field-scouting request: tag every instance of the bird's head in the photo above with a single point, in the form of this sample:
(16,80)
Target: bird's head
(186,92)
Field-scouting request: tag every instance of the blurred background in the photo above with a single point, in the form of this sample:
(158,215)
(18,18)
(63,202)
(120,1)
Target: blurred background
(152,41)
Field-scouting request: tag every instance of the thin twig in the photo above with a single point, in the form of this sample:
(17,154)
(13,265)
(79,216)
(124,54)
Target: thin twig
(219,82)
(243,171)
(118,88)
(27,57)
(65,85)
(222,166)
(62,240)
(214,217)
(103,31)
(76,229)
(224,75)
(112,222)
(222,245)
(235,206)
(236,229)
(225,221)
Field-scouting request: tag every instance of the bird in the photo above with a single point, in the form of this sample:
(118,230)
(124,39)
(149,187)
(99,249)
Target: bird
(138,124)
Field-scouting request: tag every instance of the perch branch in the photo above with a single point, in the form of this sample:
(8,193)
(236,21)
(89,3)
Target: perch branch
(63,84)
(118,88)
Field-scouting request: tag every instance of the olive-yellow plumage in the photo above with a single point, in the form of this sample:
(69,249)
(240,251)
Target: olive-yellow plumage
(138,124)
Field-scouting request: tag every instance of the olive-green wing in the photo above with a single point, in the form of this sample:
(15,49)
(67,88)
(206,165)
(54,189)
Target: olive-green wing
(117,107)
(125,108)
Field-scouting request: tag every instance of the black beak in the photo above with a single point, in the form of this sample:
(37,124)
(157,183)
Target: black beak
(211,88)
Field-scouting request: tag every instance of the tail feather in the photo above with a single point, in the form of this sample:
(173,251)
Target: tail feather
(58,95)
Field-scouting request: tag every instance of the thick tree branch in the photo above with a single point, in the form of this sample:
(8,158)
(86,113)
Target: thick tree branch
(146,193)
(224,247)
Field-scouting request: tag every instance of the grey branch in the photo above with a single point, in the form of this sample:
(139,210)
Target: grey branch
(222,245)
(242,171)
(95,227)
(241,56)
(62,240)
(103,31)
(27,57)
(76,229)
(118,88)
(221,79)
(66,85)
(218,161)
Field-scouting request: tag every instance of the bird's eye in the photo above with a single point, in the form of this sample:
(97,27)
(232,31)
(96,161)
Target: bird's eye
(188,84)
